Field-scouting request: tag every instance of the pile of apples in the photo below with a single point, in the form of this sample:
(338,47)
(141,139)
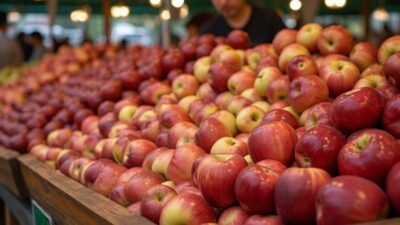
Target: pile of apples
(304,130)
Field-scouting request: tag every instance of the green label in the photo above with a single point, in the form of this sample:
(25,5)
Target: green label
(40,217)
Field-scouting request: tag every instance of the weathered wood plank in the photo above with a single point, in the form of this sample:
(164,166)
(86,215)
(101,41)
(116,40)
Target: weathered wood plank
(10,173)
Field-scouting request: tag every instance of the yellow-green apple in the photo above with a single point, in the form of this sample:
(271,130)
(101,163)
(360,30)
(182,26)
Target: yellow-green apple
(186,101)
(181,163)
(289,52)
(252,58)
(299,186)
(229,145)
(119,147)
(374,69)
(367,148)
(248,118)
(228,119)
(255,187)
(262,220)
(363,55)
(357,109)
(391,116)
(340,75)
(161,162)
(107,178)
(117,194)
(339,201)
(308,36)
(126,113)
(187,208)
(219,75)
(263,105)
(280,115)
(320,113)
(278,89)
(252,95)
(184,85)
(206,92)
(154,201)
(210,130)
(137,186)
(283,38)
(275,140)
(136,151)
(301,65)
(223,98)
(392,69)
(177,131)
(392,187)
(335,39)
(204,112)
(319,147)
(215,177)
(264,78)
(236,104)
(241,81)
(388,48)
(374,81)
(234,215)
(238,39)
(306,91)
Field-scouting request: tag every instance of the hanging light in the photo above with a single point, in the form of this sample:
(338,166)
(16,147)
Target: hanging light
(295,5)
(13,16)
(184,11)
(335,4)
(155,3)
(120,10)
(80,15)
(380,14)
(177,3)
(165,14)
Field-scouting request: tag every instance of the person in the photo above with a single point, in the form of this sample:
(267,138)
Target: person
(26,46)
(38,48)
(10,51)
(196,22)
(261,24)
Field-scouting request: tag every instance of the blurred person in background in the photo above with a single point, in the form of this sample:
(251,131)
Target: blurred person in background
(25,44)
(38,48)
(196,22)
(261,24)
(10,51)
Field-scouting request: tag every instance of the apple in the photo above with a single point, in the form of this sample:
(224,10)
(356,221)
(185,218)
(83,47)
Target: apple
(135,208)
(280,115)
(391,116)
(172,114)
(206,92)
(374,81)
(232,57)
(301,65)
(177,131)
(264,78)
(136,151)
(373,69)
(263,220)
(126,113)
(335,39)
(323,60)
(299,186)
(105,107)
(387,92)
(137,186)
(210,130)
(392,187)
(392,69)
(308,36)
(204,112)
(234,215)
(388,48)
(152,93)
(367,148)
(240,81)
(283,38)
(236,104)
(278,89)
(248,118)
(119,147)
(204,50)
(223,98)
(252,95)
(154,201)
(238,39)
(357,109)
(289,52)
(151,130)
(229,145)
(255,187)
(219,76)
(320,113)
(267,61)
(184,85)
(187,208)
(185,102)
(107,178)
(161,162)
(228,119)
(215,176)
(339,201)
(130,79)
(111,90)
(275,140)
(188,137)
(340,75)
(363,55)
(117,194)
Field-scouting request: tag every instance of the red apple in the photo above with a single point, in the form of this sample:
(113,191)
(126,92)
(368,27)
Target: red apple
(363,55)
(137,186)
(391,116)
(210,130)
(335,39)
(220,74)
(392,69)
(240,81)
(136,151)
(278,89)
(229,145)
(233,216)
(392,187)
(236,104)
(184,85)
(289,52)
(280,115)
(388,48)
(308,36)
(374,81)
(238,39)
(263,220)
(107,178)
(284,38)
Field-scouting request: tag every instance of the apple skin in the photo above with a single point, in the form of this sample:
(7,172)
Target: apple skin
(299,186)
(306,91)
(215,177)
(136,151)
(236,104)
(357,109)
(339,201)
(137,186)
(319,147)
(135,209)
(229,145)
(391,116)
(184,85)
(107,178)
(210,130)
(275,140)
(255,187)
(392,69)
(392,186)
(200,69)
(187,208)
(301,65)
(219,76)
(263,220)
(389,47)
(248,118)
(177,131)
(181,163)
(320,113)
(228,119)
(365,149)
(223,98)
(373,69)
(278,89)
(363,55)
(252,95)
(283,38)
(234,215)
(206,92)
(374,81)
(335,39)
(238,39)
(154,201)
(308,36)
(280,115)
(289,52)
(240,81)
(264,78)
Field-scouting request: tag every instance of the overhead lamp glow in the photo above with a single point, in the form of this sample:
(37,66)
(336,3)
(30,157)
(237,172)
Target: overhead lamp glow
(79,15)
(295,5)
(120,10)
(184,11)
(155,3)
(380,14)
(335,4)
(13,17)
(165,14)
(177,3)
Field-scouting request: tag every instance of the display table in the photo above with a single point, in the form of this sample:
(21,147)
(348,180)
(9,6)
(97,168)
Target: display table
(10,173)
(69,202)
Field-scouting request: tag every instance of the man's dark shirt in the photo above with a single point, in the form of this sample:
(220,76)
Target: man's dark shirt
(261,27)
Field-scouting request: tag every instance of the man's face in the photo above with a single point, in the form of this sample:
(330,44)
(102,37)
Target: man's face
(229,8)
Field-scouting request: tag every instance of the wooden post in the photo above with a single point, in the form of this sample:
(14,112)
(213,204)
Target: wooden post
(165,25)
(52,14)
(107,23)
(365,15)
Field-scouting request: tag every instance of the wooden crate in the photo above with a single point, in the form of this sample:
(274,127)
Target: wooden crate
(69,202)
(10,173)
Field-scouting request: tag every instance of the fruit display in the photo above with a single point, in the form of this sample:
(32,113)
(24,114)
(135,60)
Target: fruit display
(10,74)
(303,130)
